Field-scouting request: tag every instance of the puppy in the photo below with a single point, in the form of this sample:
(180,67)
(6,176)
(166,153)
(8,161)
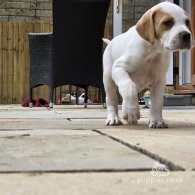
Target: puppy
(139,59)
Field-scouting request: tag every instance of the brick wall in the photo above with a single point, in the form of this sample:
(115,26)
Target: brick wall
(134,9)
(25,10)
(36,10)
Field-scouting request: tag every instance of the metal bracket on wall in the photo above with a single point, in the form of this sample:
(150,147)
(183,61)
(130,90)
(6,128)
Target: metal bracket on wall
(117,6)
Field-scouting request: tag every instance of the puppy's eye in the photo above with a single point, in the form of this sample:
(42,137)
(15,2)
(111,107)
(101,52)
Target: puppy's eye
(168,23)
(187,23)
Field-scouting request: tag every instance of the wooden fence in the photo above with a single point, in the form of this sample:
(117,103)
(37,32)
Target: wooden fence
(14,60)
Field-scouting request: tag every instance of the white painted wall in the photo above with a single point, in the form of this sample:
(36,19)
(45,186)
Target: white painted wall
(117,18)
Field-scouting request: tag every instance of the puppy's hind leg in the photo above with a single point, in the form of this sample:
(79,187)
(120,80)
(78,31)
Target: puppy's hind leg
(156,119)
(111,102)
(110,89)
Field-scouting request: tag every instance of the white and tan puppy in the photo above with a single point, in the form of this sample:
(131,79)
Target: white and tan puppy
(139,59)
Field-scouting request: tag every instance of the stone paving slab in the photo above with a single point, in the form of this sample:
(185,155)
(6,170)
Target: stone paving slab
(129,183)
(52,123)
(18,112)
(62,140)
(176,144)
(69,150)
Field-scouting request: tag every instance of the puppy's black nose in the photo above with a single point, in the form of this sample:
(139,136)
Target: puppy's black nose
(186,36)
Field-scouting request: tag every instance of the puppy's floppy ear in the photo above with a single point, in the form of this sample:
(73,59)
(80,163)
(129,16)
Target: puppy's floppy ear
(146,27)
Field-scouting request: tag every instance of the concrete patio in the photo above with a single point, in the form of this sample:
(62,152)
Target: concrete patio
(69,150)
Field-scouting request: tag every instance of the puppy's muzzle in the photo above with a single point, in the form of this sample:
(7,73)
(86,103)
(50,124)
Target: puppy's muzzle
(183,40)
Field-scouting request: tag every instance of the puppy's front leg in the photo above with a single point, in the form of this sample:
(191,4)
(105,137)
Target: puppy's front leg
(129,93)
(156,92)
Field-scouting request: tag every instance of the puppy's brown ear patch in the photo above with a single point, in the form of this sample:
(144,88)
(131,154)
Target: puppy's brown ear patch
(146,27)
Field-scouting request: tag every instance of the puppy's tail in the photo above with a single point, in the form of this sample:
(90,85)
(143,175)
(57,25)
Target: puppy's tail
(107,41)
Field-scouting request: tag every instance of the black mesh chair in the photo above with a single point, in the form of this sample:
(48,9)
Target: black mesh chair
(73,54)
(78,32)
(41,62)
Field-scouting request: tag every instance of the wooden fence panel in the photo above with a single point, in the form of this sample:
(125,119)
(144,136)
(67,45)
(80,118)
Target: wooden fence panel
(16,86)
(14,60)
(1,62)
(5,64)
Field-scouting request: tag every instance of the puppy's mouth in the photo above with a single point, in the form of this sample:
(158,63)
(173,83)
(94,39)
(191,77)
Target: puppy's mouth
(177,47)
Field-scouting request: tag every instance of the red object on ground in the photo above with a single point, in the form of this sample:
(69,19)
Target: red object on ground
(37,102)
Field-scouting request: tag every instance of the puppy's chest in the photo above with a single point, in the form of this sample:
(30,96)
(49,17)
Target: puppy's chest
(150,71)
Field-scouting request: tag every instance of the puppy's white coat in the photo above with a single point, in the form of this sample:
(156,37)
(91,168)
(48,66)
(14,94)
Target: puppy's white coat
(139,59)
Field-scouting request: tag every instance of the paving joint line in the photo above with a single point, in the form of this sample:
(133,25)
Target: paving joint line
(171,166)
(76,171)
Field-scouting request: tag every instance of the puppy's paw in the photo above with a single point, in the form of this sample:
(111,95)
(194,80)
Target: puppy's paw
(157,124)
(113,121)
(131,115)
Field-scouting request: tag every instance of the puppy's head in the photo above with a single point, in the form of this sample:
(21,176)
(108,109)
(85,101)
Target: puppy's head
(168,24)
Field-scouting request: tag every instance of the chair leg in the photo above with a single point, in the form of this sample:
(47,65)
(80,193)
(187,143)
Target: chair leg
(51,97)
(104,98)
(76,96)
(54,91)
(30,98)
(86,97)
